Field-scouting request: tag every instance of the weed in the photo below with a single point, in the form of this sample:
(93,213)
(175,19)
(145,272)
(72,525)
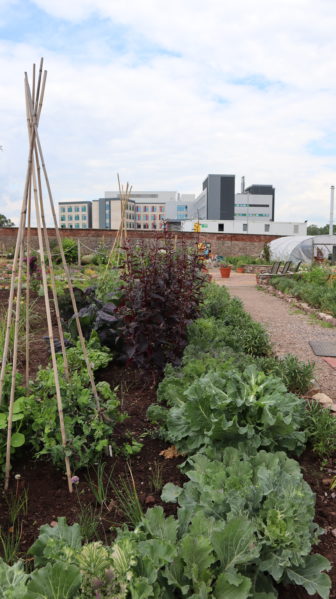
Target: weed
(17,503)
(156,479)
(10,542)
(100,487)
(89,521)
(128,500)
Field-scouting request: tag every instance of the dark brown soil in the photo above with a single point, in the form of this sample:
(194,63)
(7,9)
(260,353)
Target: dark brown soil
(47,487)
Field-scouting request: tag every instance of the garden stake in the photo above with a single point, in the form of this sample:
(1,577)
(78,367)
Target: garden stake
(52,273)
(38,199)
(50,330)
(16,255)
(64,263)
(28,291)
(14,367)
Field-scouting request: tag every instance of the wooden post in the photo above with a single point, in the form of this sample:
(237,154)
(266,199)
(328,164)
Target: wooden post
(79,252)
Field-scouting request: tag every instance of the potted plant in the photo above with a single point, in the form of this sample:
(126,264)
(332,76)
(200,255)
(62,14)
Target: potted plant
(225,269)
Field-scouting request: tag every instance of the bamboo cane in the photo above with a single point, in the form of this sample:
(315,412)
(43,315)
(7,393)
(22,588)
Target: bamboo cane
(52,273)
(14,366)
(66,269)
(50,329)
(28,293)
(19,239)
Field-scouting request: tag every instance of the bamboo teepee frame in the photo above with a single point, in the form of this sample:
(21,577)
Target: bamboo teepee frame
(121,237)
(33,190)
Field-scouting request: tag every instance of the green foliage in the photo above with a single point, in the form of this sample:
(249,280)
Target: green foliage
(54,542)
(316,230)
(310,286)
(296,375)
(12,580)
(229,408)
(18,438)
(69,248)
(54,581)
(267,488)
(5,222)
(321,425)
(126,495)
(88,430)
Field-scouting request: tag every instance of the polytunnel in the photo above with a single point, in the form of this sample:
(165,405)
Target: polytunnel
(302,247)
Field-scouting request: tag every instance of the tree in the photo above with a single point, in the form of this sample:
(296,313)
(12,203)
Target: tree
(5,222)
(315,230)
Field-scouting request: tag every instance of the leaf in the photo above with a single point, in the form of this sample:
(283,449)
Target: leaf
(58,581)
(160,527)
(170,493)
(69,535)
(311,575)
(235,544)
(17,440)
(232,587)
(3,420)
(140,589)
(170,453)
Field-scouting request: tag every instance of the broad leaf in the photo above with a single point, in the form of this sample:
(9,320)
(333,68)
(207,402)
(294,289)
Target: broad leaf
(311,576)
(236,543)
(57,581)
(232,587)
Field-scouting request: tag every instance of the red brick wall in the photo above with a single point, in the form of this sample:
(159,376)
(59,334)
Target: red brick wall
(224,244)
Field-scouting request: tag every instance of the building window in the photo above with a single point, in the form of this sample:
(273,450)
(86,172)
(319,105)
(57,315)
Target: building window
(62,226)
(146,209)
(153,226)
(69,208)
(83,216)
(84,226)
(153,208)
(76,208)
(138,226)
(137,208)
(220,226)
(62,217)
(83,208)
(153,216)
(62,209)
(245,227)
(77,217)
(267,228)
(145,225)
(77,226)
(70,227)
(70,217)
(161,208)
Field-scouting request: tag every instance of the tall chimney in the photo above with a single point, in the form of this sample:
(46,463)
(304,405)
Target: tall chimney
(243,184)
(331,220)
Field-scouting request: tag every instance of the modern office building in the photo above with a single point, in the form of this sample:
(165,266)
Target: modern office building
(218,200)
(146,210)
(75,215)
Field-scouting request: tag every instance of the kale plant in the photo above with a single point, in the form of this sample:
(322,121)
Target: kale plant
(228,408)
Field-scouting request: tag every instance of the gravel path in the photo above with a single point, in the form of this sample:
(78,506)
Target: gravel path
(290,331)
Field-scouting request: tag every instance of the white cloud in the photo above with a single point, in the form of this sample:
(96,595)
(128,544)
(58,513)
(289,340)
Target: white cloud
(168,119)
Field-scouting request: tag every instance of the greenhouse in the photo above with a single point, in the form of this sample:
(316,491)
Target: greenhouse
(302,248)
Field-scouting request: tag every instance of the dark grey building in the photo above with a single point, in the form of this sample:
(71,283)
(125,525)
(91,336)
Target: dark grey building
(220,196)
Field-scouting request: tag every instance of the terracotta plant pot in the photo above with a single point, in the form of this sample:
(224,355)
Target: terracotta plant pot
(225,271)
(240,269)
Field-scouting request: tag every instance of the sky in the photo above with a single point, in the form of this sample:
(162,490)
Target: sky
(166,92)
